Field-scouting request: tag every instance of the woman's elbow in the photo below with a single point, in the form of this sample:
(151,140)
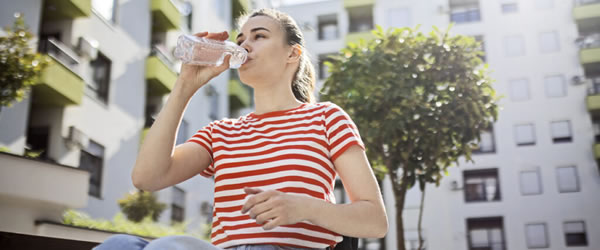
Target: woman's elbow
(382,227)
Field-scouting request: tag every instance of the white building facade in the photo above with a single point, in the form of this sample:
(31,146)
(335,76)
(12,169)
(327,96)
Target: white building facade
(534,182)
(112,71)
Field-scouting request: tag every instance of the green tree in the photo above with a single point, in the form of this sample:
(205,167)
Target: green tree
(420,101)
(140,204)
(20,65)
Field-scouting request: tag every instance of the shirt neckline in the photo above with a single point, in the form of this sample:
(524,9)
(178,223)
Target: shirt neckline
(277,112)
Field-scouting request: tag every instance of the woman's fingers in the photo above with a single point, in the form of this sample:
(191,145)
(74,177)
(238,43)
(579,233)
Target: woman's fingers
(222,36)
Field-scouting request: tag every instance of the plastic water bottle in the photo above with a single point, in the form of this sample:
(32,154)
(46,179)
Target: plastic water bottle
(204,51)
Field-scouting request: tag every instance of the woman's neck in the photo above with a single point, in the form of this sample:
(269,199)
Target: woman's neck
(274,97)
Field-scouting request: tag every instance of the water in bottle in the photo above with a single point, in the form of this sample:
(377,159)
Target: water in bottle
(204,51)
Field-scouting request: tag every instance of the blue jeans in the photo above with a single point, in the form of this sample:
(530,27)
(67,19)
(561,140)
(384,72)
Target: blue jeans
(175,242)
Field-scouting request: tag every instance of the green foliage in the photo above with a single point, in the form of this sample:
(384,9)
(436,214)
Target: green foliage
(141,204)
(420,101)
(120,224)
(20,66)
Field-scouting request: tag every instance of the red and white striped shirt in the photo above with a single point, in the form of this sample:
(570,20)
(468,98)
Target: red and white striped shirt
(291,151)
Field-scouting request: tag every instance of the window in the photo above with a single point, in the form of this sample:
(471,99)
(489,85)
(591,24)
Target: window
(525,135)
(99,85)
(487,143)
(575,234)
(510,8)
(481,185)
(182,133)
(37,141)
(561,131)
(464,11)
(328,27)
(544,4)
(555,86)
(105,8)
(519,90)
(479,39)
(485,233)
(323,69)
(531,183)
(568,181)
(549,42)
(92,159)
(514,46)
(399,17)
(361,18)
(178,205)
(339,192)
(537,237)
(596,127)
(214,102)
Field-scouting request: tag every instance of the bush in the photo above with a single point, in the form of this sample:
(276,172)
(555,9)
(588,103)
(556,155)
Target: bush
(140,204)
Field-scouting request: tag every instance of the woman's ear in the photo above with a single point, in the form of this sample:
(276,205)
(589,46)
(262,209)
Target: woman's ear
(295,53)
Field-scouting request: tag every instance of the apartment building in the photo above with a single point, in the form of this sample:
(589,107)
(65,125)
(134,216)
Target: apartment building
(535,178)
(112,71)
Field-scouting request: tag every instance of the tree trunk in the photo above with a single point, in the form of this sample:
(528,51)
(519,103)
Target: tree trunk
(421,218)
(399,188)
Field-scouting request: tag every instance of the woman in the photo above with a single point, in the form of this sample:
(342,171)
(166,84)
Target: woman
(275,168)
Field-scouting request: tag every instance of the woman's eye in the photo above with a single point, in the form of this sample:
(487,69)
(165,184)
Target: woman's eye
(259,36)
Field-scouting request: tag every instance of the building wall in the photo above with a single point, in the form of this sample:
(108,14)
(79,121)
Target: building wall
(445,210)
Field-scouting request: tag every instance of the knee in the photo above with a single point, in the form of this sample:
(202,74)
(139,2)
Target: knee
(122,241)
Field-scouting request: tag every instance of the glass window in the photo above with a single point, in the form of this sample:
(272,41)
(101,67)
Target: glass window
(464,11)
(91,159)
(106,8)
(514,46)
(99,85)
(323,69)
(555,86)
(487,143)
(519,90)
(485,233)
(536,235)
(510,7)
(525,134)
(561,131)
(568,181)
(549,42)
(361,18)
(575,233)
(328,27)
(399,17)
(481,185)
(530,182)
(178,205)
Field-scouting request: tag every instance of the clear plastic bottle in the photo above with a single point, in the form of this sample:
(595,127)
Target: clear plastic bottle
(204,51)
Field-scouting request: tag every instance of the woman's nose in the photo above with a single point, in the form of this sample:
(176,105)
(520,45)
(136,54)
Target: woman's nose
(246,46)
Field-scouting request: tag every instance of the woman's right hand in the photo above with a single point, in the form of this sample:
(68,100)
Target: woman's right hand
(192,77)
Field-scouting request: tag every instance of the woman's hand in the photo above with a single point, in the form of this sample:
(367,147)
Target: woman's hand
(195,76)
(273,208)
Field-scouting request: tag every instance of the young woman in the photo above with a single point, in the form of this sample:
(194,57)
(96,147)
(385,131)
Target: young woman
(275,168)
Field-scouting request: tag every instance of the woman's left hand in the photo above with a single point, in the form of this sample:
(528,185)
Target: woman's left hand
(274,208)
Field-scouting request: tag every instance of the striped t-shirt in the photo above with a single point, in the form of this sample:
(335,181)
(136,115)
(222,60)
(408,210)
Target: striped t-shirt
(291,151)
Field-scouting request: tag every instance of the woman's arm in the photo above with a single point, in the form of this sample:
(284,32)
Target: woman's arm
(365,217)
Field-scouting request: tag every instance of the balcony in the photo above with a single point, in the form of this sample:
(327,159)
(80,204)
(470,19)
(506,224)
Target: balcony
(160,75)
(66,9)
(597,151)
(238,95)
(355,3)
(354,37)
(165,16)
(59,84)
(34,189)
(587,15)
(593,98)
(589,54)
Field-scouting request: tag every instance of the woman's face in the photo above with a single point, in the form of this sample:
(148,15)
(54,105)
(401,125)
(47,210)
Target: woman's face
(268,51)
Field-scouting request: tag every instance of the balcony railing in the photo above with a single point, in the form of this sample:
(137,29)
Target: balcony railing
(61,52)
(162,54)
(585,2)
(588,42)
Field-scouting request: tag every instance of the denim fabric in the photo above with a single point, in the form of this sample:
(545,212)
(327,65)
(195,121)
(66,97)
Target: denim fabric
(175,242)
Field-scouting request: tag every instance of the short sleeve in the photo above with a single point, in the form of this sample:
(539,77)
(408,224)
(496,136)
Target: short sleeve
(342,133)
(204,138)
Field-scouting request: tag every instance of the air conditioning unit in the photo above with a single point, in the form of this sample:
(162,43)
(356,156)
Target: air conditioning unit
(577,80)
(88,47)
(76,138)
(455,186)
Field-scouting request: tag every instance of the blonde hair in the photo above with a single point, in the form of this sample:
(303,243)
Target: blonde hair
(303,82)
